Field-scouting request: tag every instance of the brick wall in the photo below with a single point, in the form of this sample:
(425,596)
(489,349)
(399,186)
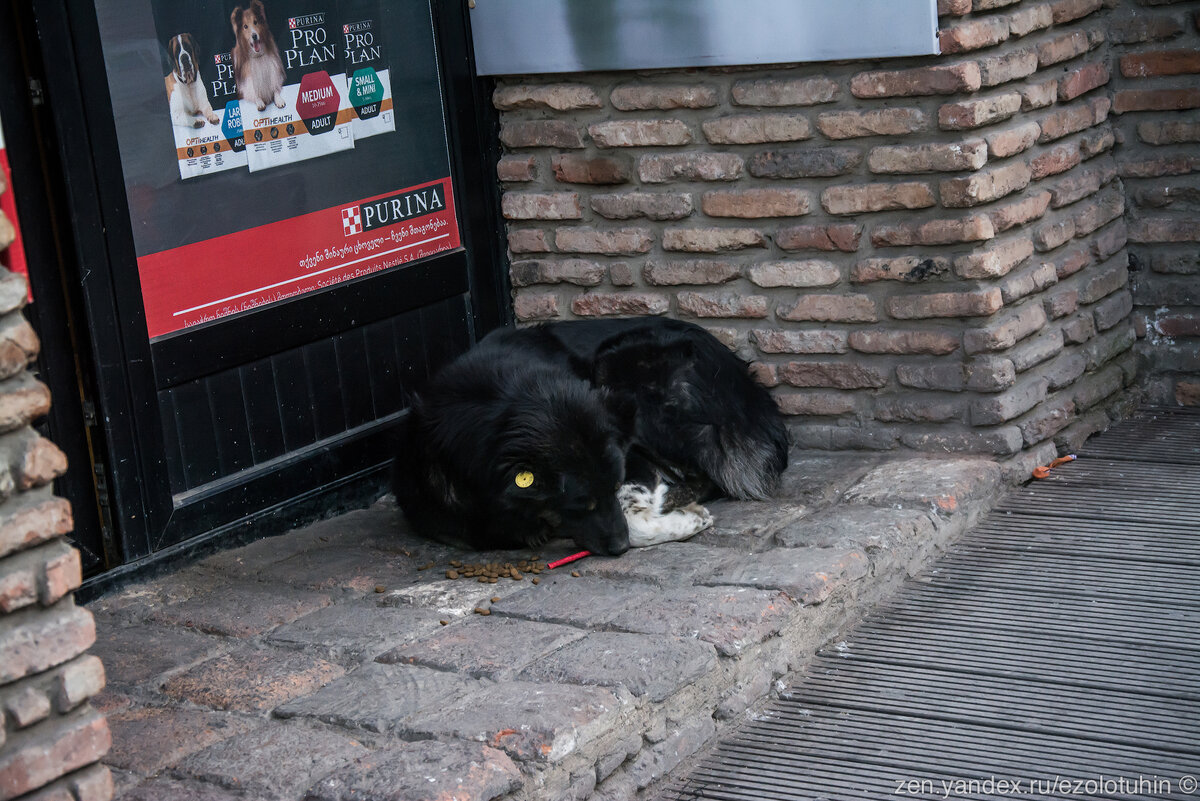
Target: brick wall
(926,253)
(50,737)
(1156,78)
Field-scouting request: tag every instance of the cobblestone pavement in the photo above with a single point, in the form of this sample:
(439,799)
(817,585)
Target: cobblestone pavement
(342,660)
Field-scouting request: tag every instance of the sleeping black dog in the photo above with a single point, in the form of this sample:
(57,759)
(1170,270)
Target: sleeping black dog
(598,431)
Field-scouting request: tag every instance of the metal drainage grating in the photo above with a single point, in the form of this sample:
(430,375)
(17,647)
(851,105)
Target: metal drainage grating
(1057,649)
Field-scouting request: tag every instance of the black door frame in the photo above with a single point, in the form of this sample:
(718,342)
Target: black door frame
(125,380)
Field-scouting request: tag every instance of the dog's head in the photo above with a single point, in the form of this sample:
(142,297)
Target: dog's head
(559,462)
(183,57)
(250,28)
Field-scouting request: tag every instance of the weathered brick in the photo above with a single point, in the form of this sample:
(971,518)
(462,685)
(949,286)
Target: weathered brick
(1142,27)
(530,306)
(843,237)
(955,8)
(36,643)
(541,206)
(989,374)
(903,268)
(620,304)
(1047,421)
(620,273)
(517,168)
(978,112)
(1082,80)
(1160,62)
(572,168)
(985,186)
(979,303)
(1113,310)
(947,79)
(1002,144)
(1013,403)
(1065,369)
(1026,282)
(640,133)
(1168,133)
(973,35)
(806,273)
(1025,210)
(937,343)
(1103,283)
(712,240)
(622,241)
(943,377)
(1057,159)
(69,743)
(1068,10)
(528,240)
(27,706)
(830,308)
(541,133)
(558,97)
(1071,261)
(1155,100)
(1061,48)
(1068,120)
(651,205)
(1054,233)
(815,404)
(835,375)
(1001,441)
(970,154)
(657,272)
(756,203)
(722,304)
(1005,331)
(918,409)
(860,198)
(659,169)
(876,122)
(1158,167)
(23,399)
(1104,347)
(806,342)
(1028,19)
(78,681)
(1010,66)
(1096,141)
(817,162)
(1103,209)
(579,272)
(764,374)
(1080,184)
(1062,302)
(1038,95)
(33,518)
(777,92)
(989,5)
(1164,229)
(1178,325)
(997,260)
(975,228)
(1187,393)
(755,129)
(650,97)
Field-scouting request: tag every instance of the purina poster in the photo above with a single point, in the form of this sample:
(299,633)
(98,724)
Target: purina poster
(368,76)
(229,242)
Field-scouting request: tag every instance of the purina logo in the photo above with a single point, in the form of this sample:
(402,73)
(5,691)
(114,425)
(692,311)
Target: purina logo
(391,210)
(306,20)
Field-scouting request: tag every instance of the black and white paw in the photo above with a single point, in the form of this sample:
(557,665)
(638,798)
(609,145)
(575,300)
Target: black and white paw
(651,524)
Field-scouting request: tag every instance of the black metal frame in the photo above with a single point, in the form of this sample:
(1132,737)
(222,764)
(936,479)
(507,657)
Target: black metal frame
(130,370)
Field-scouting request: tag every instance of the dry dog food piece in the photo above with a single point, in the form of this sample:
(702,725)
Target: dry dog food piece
(379,588)
(535,580)
(575,573)
(451,574)
(455,563)
(495,599)
(481,611)
(444,622)
(426,567)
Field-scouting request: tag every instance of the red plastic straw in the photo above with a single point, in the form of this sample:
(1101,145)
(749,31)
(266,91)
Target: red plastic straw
(567,559)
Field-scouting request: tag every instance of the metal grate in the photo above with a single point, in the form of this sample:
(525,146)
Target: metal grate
(1059,642)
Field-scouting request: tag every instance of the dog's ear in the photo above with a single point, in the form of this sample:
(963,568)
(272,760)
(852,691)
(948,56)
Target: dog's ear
(259,10)
(235,19)
(622,408)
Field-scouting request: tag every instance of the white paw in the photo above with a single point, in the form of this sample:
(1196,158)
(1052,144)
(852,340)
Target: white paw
(649,525)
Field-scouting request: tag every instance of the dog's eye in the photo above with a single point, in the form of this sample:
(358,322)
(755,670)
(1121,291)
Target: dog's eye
(591,504)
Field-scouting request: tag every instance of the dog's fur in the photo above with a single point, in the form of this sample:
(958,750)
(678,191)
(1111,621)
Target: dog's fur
(585,409)
(257,66)
(190,106)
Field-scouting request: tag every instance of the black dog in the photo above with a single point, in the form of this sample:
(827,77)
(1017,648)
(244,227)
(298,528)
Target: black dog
(532,433)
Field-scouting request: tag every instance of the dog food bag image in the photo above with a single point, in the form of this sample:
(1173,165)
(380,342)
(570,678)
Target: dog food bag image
(367,74)
(200,92)
(289,68)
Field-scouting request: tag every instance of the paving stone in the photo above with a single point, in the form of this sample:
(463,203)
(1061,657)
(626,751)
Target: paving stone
(818,480)
(484,646)
(379,697)
(731,618)
(944,483)
(650,666)
(355,570)
(672,564)
(136,653)
(662,758)
(162,788)
(449,598)
(746,524)
(422,771)
(808,575)
(586,601)
(530,722)
(356,631)
(276,762)
(148,739)
(138,600)
(864,527)
(221,608)
(251,680)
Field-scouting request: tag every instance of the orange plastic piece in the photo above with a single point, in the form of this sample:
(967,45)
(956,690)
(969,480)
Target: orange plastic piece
(1044,470)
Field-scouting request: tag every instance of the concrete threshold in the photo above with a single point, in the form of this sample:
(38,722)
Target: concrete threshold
(343,660)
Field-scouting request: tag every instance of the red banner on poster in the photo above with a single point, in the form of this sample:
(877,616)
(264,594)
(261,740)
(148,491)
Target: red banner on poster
(14,257)
(208,280)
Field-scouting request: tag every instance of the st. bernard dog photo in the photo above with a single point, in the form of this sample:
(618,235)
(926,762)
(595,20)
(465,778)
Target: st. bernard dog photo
(610,433)
(190,107)
(257,66)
